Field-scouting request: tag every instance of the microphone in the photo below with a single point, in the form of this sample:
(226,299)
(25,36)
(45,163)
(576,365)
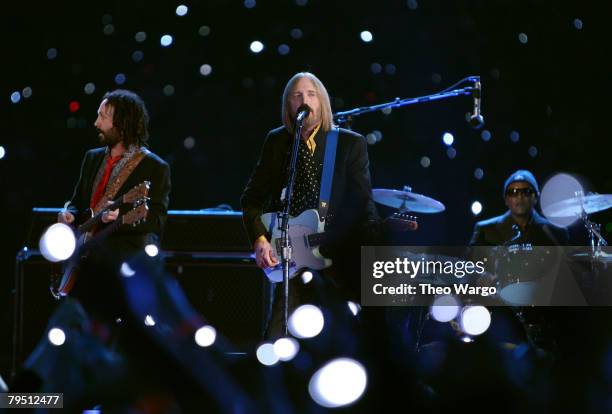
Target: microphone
(476,119)
(302,113)
(517,232)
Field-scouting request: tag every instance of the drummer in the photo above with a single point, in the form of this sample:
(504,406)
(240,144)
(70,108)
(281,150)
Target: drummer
(521,223)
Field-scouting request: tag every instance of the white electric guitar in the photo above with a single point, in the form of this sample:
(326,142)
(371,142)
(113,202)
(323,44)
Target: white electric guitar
(306,235)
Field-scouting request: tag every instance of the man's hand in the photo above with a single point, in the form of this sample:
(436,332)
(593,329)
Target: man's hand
(264,254)
(65,217)
(110,215)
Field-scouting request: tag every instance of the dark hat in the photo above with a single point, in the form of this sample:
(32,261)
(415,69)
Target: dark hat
(522,175)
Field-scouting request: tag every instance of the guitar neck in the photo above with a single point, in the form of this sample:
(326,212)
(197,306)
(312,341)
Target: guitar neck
(97,219)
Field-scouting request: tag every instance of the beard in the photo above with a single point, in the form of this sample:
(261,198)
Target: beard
(109,138)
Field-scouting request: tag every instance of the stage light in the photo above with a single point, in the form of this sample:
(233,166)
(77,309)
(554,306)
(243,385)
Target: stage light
(126,270)
(283,49)
(205,336)
(166,40)
(256,46)
(523,38)
(376,68)
(182,10)
(26,92)
(476,208)
(296,33)
(366,36)
(451,152)
(108,29)
(56,336)
(57,242)
(425,162)
(74,106)
(204,31)
(307,276)
(387,110)
(578,24)
(189,143)
(286,348)
(138,56)
(306,322)
(2,152)
(390,69)
(52,53)
(249,4)
(485,135)
(301,3)
(15,97)
(120,79)
(371,139)
(355,308)
(444,308)
(475,320)
(478,173)
(89,88)
(340,382)
(168,90)
(533,151)
(266,355)
(558,188)
(149,321)
(140,37)
(205,69)
(448,139)
(412,4)
(514,136)
(151,250)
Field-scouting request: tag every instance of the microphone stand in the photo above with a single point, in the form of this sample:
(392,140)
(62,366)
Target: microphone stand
(347,116)
(283,222)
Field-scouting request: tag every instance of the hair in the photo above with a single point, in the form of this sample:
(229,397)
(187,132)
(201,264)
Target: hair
(130,116)
(326,112)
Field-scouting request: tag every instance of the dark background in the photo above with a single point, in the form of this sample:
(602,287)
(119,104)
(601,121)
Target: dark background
(549,90)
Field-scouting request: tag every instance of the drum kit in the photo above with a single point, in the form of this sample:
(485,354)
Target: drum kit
(580,207)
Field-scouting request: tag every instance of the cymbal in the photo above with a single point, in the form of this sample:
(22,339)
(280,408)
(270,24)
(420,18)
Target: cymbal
(572,207)
(407,200)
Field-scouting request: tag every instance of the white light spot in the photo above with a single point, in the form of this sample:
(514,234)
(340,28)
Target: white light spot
(205,69)
(387,110)
(366,36)
(523,38)
(306,322)
(166,40)
(205,336)
(371,138)
(89,88)
(448,138)
(26,92)
(15,97)
(182,10)
(340,382)
(126,270)
(152,250)
(149,321)
(168,90)
(256,46)
(57,242)
(475,320)
(444,308)
(307,277)
(476,208)
(189,143)
(2,152)
(478,173)
(578,24)
(266,355)
(140,37)
(56,336)
(425,162)
(354,307)
(286,348)
(109,29)
(557,189)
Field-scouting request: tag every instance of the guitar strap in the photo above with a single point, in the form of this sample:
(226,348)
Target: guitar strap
(329,161)
(113,187)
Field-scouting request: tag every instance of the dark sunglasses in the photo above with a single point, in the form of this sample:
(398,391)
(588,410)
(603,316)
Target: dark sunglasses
(514,192)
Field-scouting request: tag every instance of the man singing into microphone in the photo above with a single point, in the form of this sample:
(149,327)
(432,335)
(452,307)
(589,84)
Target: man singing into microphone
(351,216)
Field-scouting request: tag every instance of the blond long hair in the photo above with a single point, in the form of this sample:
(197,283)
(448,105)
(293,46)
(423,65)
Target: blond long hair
(326,112)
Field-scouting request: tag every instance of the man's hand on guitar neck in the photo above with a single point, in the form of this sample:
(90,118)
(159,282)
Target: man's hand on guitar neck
(264,254)
(110,215)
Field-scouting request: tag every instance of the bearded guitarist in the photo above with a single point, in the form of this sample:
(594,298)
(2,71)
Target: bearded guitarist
(108,172)
(351,218)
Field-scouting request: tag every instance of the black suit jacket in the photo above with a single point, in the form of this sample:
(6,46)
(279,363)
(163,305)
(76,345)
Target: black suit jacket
(351,209)
(498,230)
(151,168)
